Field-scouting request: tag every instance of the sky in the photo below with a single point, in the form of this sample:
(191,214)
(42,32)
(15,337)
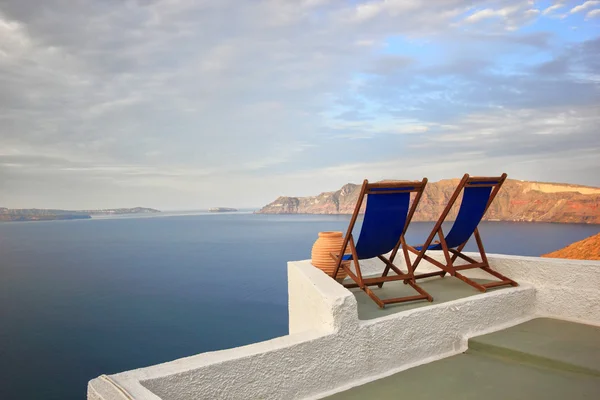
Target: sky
(190,104)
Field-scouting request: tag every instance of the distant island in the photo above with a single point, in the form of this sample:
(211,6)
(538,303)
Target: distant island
(519,201)
(222,209)
(36,214)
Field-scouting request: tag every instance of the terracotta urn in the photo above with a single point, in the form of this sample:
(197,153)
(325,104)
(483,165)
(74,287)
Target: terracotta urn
(326,243)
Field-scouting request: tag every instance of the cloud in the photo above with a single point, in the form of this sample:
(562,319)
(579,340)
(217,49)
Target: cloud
(392,7)
(552,8)
(483,14)
(548,143)
(593,14)
(584,6)
(512,16)
(389,64)
(185,103)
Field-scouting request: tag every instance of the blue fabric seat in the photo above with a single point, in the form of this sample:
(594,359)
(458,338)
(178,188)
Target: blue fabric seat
(387,214)
(478,194)
(472,209)
(383,224)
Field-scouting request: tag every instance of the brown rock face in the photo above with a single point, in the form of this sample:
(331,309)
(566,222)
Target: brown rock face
(586,249)
(517,201)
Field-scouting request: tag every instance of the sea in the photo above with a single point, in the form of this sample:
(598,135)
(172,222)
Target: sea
(88,297)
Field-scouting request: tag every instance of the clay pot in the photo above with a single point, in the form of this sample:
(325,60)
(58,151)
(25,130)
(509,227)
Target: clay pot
(326,243)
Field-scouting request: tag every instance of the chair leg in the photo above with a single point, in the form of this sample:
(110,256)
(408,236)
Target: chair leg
(500,276)
(364,286)
(471,264)
(420,290)
(385,272)
(389,265)
(429,275)
(375,298)
(503,279)
(468,281)
(445,269)
(423,295)
(357,278)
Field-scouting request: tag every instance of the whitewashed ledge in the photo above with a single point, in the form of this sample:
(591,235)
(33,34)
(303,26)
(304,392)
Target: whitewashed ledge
(329,349)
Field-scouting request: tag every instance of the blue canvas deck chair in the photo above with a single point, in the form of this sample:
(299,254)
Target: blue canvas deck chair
(387,216)
(478,194)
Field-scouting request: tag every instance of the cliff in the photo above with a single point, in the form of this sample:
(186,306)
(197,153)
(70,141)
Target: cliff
(586,249)
(517,201)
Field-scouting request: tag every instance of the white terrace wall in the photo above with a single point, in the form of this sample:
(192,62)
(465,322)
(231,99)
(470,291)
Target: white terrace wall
(329,349)
(565,289)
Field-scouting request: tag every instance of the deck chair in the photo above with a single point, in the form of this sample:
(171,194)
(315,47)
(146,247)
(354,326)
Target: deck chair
(478,194)
(387,216)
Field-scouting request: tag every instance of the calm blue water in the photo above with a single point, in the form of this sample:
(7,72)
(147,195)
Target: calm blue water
(82,298)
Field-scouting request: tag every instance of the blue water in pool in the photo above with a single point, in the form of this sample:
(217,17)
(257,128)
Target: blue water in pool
(82,298)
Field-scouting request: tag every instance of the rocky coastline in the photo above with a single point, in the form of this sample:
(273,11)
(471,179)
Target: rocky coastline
(518,201)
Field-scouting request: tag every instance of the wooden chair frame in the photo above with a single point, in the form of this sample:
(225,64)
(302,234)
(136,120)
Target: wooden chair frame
(451,254)
(363,283)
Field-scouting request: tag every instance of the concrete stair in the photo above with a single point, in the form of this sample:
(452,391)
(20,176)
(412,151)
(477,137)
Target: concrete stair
(540,359)
(546,343)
